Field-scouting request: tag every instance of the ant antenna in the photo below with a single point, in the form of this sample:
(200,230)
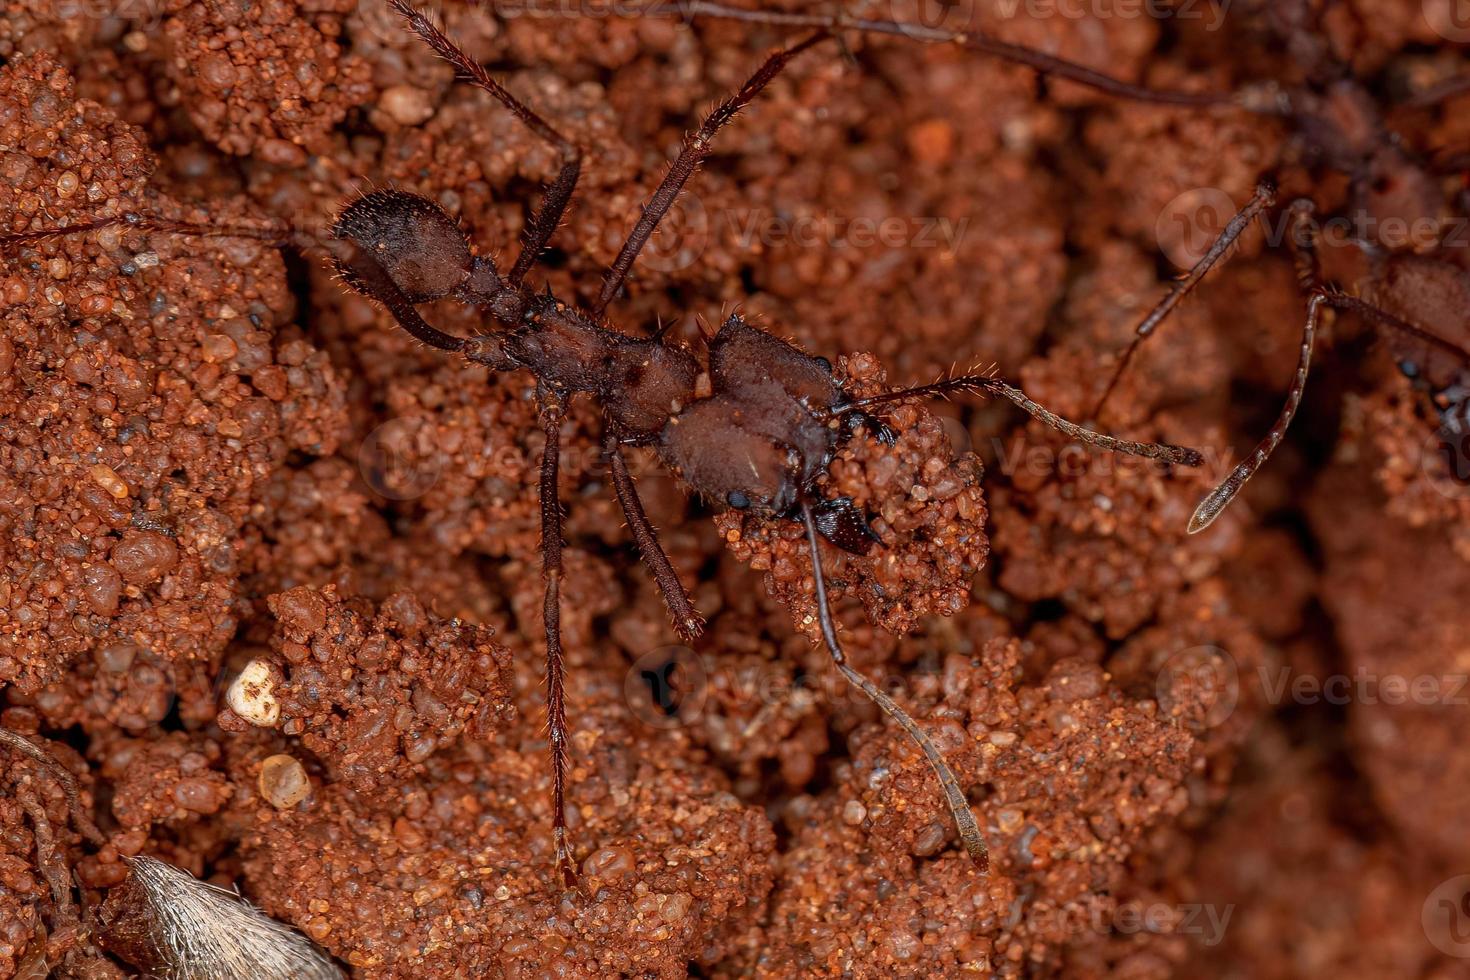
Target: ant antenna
(1263,198)
(959,806)
(1219,498)
(986,385)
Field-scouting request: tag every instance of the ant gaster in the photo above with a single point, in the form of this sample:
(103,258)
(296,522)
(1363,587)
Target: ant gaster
(755,428)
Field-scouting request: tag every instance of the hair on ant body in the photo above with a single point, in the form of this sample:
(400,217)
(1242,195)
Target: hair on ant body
(753,428)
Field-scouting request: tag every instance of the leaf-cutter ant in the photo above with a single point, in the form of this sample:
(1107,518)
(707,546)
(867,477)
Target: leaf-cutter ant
(754,428)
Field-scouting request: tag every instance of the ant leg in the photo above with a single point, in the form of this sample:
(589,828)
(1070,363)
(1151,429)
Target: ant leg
(695,149)
(1264,197)
(1219,498)
(985,384)
(1039,61)
(954,796)
(551,571)
(543,224)
(687,621)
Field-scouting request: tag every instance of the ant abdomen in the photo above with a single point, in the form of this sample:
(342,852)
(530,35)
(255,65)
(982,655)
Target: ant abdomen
(419,246)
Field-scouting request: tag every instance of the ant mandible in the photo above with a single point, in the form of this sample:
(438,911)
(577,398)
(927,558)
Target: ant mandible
(754,429)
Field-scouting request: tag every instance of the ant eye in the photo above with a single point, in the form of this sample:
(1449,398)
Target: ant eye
(421,248)
(737,500)
(824,364)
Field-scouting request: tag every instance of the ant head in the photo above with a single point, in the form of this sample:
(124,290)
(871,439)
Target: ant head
(416,244)
(753,449)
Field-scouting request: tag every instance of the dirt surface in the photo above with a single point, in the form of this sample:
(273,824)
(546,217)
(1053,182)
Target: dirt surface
(270,569)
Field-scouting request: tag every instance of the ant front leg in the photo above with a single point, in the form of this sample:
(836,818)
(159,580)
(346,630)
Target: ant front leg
(687,621)
(696,148)
(543,224)
(552,413)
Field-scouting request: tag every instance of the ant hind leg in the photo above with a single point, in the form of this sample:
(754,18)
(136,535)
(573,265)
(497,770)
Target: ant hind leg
(696,147)
(552,413)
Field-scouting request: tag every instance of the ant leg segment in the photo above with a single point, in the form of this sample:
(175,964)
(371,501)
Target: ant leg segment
(984,384)
(1303,244)
(1264,197)
(954,796)
(551,572)
(1351,304)
(687,621)
(1219,498)
(695,149)
(541,227)
(1038,61)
